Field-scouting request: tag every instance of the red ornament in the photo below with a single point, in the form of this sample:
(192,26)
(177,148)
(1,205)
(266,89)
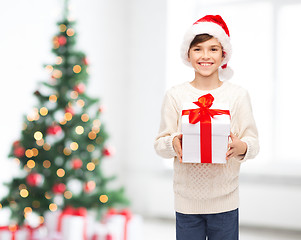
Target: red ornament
(89,186)
(76,163)
(53,130)
(107,151)
(85,61)
(37,93)
(19,151)
(69,110)
(59,188)
(16,143)
(34,179)
(101,109)
(80,88)
(62,40)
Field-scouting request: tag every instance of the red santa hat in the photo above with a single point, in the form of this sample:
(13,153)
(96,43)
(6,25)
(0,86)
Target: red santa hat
(215,26)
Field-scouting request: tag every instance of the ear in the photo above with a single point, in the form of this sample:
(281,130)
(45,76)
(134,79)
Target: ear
(188,55)
(223,54)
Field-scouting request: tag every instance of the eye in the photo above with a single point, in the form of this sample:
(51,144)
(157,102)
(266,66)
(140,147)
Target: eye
(196,49)
(214,49)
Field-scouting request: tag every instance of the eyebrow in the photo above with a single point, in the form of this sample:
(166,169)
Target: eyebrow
(209,46)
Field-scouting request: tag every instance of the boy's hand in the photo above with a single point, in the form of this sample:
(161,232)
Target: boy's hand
(236,148)
(177,146)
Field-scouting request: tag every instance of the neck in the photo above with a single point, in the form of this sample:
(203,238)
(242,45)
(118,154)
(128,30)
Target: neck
(206,82)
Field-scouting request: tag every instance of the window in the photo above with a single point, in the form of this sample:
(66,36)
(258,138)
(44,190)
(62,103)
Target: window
(265,60)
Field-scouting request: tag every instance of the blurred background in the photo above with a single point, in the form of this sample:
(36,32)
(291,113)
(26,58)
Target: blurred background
(133,48)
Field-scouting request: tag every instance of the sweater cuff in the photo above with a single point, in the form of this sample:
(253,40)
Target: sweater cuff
(169,144)
(250,152)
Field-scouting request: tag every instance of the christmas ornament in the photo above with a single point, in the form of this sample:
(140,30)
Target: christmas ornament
(16,143)
(34,179)
(62,40)
(108,151)
(19,151)
(69,110)
(80,88)
(101,108)
(89,186)
(215,26)
(59,188)
(85,61)
(37,93)
(76,163)
(54,130)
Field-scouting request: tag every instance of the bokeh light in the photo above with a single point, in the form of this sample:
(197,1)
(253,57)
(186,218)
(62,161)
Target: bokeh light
(103,198)
(46,164)
(60,172)
(79,130)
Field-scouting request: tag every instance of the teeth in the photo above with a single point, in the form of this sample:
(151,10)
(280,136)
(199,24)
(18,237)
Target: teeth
(205,64)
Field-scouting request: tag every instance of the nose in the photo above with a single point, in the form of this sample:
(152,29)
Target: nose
(205,55)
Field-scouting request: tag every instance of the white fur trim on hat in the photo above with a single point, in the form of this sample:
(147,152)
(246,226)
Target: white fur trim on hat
(216,31)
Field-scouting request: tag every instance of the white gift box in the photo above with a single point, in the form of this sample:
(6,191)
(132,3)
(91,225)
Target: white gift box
(72,227)
(116,225)
(39,233)
(191,141)
(21,234)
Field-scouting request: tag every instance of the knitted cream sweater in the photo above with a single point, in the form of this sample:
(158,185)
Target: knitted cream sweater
(202,188)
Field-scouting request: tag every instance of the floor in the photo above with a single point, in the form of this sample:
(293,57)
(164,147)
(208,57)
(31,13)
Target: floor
(164,230)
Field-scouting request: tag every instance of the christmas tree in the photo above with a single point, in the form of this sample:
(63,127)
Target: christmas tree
(63,141)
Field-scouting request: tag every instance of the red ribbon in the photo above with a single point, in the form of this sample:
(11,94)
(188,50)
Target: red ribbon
(126,213)
(73,212)
(203,114)
(12,229)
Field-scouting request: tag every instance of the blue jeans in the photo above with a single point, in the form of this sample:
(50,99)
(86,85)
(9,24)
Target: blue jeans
(218,226)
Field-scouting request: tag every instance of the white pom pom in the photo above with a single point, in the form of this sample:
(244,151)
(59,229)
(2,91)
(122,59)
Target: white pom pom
(225,74)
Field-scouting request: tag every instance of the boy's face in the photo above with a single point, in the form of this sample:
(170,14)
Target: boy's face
(206,57)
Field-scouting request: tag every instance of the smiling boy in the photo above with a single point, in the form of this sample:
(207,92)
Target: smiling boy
(206,195)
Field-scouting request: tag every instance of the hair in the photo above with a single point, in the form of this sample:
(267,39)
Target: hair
(200,38)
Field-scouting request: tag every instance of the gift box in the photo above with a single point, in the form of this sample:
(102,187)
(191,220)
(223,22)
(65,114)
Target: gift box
(122,225)
(69,224)
(37,232)
(103,232)
(13,233)
(206,129)
(25,232)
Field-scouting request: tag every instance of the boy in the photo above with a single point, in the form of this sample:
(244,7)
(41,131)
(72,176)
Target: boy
(206,194)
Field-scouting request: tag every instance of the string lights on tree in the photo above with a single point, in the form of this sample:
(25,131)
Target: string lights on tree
(63,141)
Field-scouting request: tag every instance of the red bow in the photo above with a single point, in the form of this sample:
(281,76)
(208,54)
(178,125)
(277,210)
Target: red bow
(203,113)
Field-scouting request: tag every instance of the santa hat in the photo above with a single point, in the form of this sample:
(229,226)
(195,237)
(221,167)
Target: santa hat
(215,26)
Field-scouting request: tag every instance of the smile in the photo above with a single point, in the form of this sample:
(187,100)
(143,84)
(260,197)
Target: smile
(205,64)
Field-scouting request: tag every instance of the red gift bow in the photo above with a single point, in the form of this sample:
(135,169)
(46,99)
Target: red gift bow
(126,213)
(73,212)
(203,114)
